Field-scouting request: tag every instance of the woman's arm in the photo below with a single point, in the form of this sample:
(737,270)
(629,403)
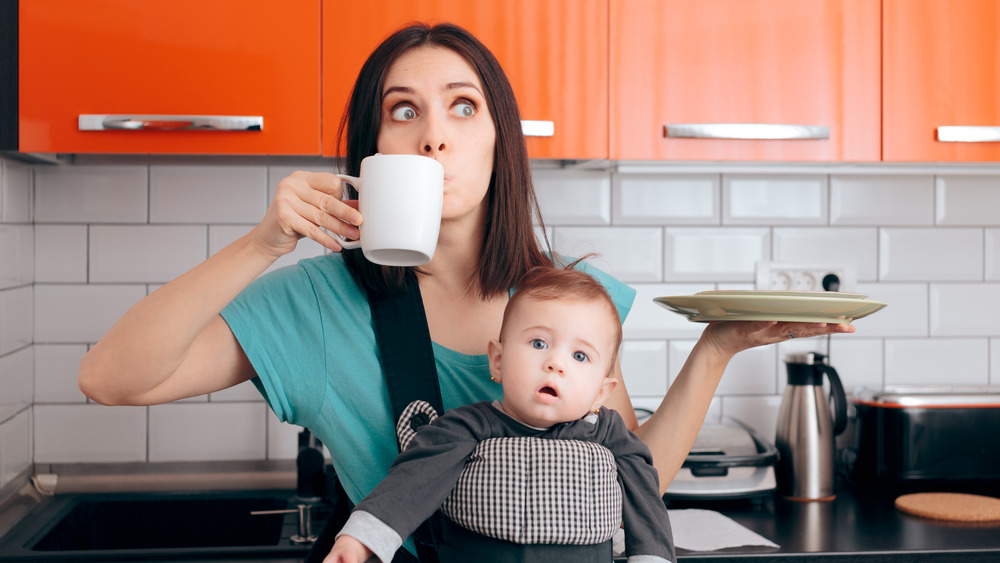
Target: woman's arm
(174,344)
(671,430)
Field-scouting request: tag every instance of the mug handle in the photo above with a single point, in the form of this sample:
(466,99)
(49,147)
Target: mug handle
(356,182)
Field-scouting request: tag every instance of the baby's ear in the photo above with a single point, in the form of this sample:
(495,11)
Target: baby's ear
(607,387)
(495,350)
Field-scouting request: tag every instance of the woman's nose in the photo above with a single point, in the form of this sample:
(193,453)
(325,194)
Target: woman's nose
(434,137)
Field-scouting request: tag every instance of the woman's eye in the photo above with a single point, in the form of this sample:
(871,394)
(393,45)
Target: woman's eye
(539,344)
(404,113)
(580,356)
(464,110)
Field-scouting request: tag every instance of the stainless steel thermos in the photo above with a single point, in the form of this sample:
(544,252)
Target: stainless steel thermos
(806,428)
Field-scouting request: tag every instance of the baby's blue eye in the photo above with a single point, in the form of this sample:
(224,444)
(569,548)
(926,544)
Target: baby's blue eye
(580,356)
(404,113)
(539,344)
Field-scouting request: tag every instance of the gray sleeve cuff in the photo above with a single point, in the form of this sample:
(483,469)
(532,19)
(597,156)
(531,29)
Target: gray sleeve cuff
(647,559)
(375,534)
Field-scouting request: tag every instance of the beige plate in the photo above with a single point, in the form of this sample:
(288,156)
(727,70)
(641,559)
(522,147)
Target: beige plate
(786,306)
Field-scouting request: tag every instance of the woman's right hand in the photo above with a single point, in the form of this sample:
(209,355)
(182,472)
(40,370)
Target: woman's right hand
(307,204)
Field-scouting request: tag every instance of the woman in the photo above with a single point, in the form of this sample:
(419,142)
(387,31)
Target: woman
(303,334)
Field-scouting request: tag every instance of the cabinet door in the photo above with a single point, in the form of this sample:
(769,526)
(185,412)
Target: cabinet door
(689,77)
(942,71)
(150,65)
(554,53)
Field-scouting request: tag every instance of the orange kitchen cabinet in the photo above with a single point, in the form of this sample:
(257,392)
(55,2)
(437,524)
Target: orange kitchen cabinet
(941,63)
(689,78)
(159,61)
(554,53)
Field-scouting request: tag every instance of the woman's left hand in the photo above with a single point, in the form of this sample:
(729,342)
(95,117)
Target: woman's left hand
(730,337)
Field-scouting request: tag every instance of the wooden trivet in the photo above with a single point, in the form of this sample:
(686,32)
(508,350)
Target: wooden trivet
(955,507)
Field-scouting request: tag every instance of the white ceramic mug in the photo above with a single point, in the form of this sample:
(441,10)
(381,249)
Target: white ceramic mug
(400,197)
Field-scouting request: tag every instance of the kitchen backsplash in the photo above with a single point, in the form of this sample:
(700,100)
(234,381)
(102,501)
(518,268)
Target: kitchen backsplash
(80,243)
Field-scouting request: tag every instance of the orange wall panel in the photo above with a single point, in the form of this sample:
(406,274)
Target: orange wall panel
(225,57)
(942,67)
(554,53)
(741,61)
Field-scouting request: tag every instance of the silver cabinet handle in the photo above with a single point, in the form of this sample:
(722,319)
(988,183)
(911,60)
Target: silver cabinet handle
(968,134)
(538,128)
(770,131)
(99,122)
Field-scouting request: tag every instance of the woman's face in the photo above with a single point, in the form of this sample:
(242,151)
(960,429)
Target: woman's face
(433,105)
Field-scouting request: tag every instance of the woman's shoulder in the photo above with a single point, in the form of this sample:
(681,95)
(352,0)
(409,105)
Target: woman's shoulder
(309,279)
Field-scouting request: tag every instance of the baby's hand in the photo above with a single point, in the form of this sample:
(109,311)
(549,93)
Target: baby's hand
(348,550)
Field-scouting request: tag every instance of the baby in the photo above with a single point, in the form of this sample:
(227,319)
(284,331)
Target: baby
(547,474)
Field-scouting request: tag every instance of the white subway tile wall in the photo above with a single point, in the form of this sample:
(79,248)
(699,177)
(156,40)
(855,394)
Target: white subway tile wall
(574,197)
(17,359)
(99,193)
(82,433)
(852,246)
(224,431)
(967,200)
(84,242)
(646,362)
(56,367)
(15,447)
(61,253)
(147,253)
(881,200)
(659,199)
(943,254)
(715,253)
(15,381)
(995,361)
(768,200)
(207,194)
(992,254)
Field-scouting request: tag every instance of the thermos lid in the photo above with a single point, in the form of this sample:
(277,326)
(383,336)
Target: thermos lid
(811,358)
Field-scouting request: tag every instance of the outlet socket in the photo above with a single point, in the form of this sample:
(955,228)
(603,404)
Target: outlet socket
(794,276)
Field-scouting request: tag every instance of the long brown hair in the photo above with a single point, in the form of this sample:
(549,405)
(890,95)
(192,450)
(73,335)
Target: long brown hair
(510,247)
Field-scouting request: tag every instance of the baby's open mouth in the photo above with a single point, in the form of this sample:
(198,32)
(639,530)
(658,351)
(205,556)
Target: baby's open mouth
(548,391)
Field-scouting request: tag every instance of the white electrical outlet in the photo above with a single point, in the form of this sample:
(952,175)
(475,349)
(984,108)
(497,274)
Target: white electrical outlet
(794,276)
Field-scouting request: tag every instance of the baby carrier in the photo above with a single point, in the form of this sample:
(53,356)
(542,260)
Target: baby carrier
(534,529)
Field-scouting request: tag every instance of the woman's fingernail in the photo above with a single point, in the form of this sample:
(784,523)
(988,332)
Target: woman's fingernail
(355,218)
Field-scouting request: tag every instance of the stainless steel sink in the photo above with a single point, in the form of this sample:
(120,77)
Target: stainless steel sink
(141,526)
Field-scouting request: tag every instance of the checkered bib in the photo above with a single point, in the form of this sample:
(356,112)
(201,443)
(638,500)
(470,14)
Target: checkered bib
(536,491)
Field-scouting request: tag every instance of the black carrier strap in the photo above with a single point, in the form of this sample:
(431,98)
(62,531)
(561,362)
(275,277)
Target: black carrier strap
(405,351)
(407,360)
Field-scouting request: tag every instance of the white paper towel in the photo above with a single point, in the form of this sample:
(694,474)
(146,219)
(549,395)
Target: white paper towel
(704,530)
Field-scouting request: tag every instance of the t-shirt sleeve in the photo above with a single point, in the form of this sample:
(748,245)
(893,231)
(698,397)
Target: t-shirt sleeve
(278,323)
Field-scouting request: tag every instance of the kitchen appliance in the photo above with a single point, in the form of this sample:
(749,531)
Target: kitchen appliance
(729,460)
(806,430)
(919,438)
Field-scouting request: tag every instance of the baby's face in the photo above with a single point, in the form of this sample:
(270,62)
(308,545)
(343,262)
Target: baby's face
(554,360)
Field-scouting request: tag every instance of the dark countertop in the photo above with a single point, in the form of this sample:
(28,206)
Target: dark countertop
(861,523)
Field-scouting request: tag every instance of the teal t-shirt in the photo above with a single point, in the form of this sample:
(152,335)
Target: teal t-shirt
(307,330)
